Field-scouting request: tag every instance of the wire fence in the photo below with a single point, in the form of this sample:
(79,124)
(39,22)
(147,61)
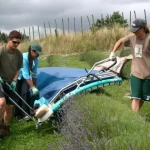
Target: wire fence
(48,30)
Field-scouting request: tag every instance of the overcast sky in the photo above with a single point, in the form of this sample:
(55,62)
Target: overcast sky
(22,14)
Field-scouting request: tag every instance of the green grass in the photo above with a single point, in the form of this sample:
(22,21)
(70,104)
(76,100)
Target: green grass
(63,61)
(109,116)
(25,137)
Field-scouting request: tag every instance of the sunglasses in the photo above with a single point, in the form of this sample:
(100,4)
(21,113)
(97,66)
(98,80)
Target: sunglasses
(15,42)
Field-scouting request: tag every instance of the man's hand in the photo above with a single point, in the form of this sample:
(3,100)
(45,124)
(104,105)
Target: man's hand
(112,55)
(13,85)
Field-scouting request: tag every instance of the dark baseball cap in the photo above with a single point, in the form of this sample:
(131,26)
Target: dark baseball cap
(137,24)
(37,48)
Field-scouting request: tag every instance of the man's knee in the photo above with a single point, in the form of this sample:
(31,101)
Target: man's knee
(2,103)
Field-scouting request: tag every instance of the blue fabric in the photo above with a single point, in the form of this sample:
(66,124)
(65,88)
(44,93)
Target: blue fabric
(24,72)
(51,79)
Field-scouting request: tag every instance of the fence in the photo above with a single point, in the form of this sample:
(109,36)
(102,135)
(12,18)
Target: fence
(63,31)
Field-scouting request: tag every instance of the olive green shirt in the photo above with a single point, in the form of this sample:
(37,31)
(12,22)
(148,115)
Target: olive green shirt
(10,63)
(141,55)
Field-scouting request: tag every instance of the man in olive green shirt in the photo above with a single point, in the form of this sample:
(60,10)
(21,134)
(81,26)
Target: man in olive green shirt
(10,64)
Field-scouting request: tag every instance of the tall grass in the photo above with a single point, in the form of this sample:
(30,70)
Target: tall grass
(102,40)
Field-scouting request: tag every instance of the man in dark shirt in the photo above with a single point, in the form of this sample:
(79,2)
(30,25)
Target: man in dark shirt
(10,64)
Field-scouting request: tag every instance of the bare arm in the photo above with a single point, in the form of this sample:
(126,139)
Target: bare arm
(30,83)
(34,81)
(16,75)
(117,45)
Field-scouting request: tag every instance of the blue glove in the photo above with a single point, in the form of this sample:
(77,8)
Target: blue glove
(34,91)
(1,81)
(13,85)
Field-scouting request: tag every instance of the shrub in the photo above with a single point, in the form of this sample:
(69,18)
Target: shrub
(92,57)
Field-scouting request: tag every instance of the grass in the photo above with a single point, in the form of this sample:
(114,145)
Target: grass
(104,116)
(24,135)
(102,40)
(63,61)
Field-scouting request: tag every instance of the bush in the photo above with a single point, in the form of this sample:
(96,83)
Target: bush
(92,57)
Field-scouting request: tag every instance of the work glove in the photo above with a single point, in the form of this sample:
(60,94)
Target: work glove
(34,91)
(1,81)
(112,56)
(13,85)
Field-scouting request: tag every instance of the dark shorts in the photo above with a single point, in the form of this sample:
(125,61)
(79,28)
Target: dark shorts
(140,88)
(10,94)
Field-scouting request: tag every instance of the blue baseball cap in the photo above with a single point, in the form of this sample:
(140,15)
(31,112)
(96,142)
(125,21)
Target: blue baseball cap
(37,48)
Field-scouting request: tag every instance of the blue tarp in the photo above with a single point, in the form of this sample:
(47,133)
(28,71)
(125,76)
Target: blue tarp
(52,79)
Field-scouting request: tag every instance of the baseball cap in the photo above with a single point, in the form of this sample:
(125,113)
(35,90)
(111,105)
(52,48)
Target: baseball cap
(37,48)
(137,24)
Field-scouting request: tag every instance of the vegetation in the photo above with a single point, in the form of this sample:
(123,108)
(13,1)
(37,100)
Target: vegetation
(110,21)
(4,37)
(101,119)
(102,40)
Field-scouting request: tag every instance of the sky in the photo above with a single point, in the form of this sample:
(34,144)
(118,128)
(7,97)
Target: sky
(22,14)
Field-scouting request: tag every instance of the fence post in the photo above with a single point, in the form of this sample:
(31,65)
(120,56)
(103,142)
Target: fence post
(50,28)
(56,32)
(45,29)
(89,22)
(134,14)
(123,19)
(39,33)
(93,23)
(63,27)
(81,26)
(24,35)
(145,15)
(68,26)
(74,25)
(29,35)
(130,18)
(33,32)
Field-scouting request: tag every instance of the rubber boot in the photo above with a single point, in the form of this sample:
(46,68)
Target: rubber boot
(6,130)
(1,129)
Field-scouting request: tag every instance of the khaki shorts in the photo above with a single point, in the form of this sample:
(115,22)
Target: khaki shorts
(140,88)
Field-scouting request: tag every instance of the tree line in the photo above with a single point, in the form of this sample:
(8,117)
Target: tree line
(4,37)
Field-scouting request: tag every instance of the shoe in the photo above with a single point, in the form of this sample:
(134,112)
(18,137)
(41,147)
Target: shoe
(1,129)
(19,118)
(26,118)
(4,130)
